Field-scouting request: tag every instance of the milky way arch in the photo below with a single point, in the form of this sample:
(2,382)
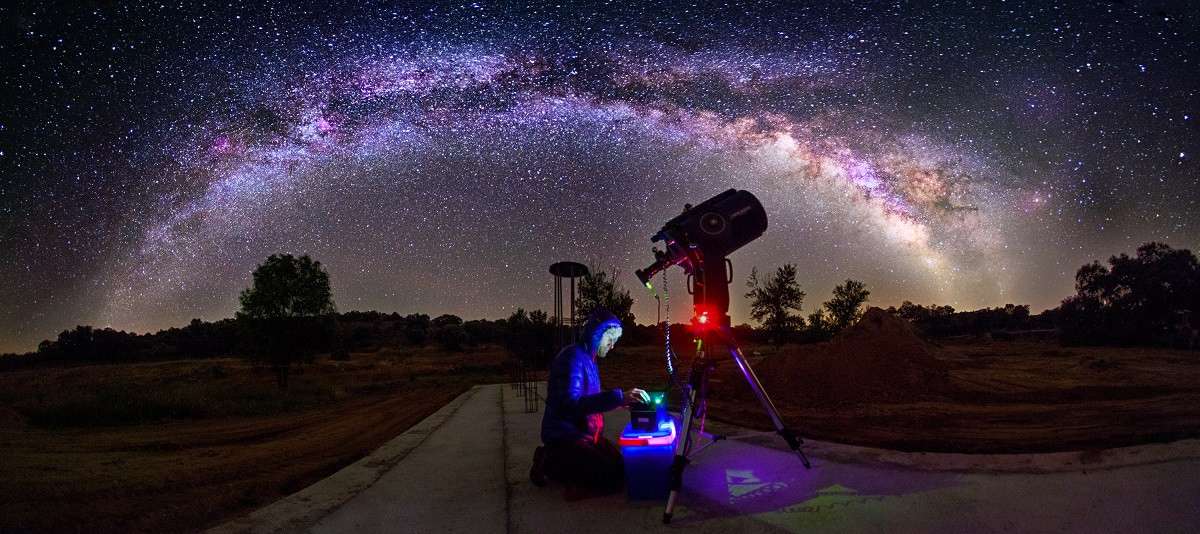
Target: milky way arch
(438,157)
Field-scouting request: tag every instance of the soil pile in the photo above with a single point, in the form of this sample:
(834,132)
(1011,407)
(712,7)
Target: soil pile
(881,358)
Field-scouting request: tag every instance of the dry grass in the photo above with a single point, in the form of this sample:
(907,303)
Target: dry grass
(1002,397)
(187,474)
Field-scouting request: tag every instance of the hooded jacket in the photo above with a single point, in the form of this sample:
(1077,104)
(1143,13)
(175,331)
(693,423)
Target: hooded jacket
(574,401)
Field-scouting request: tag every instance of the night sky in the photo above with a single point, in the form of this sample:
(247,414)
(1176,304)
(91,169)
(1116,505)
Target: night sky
(437,158)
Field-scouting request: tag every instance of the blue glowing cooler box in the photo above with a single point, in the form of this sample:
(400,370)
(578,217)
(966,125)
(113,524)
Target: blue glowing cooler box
(648,457)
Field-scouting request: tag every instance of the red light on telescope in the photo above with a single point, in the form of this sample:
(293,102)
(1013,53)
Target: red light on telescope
(703,320)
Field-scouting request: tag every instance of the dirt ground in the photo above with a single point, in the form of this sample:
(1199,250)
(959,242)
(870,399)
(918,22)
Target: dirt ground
(878,384)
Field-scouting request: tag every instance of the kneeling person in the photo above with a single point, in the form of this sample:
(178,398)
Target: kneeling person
(575,451)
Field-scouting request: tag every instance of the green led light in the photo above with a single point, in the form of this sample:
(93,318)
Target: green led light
(652,291)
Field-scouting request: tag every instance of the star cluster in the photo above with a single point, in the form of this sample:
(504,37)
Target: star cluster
(438,157)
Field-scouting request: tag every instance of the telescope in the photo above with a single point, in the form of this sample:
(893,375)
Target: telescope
(700,239)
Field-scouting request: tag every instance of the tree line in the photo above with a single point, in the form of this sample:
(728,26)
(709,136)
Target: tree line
(943,321)
(1149,299)
(288,315)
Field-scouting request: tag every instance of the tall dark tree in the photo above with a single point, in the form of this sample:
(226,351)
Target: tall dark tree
(288,314)
(772,302)
(598,290)
(845,307)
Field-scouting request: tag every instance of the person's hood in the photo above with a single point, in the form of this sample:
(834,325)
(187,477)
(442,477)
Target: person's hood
(597,323)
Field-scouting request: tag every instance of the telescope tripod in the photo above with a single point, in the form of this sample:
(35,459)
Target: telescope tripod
(695,406)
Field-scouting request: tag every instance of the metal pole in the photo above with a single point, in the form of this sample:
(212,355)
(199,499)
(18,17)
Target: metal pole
(558,311)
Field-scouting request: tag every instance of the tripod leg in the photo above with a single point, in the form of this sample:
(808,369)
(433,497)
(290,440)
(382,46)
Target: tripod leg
(792,440)
(681,449)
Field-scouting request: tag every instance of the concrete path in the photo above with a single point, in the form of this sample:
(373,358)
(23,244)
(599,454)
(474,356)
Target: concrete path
(465,469)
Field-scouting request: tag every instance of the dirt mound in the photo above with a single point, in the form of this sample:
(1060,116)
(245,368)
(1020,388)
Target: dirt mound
(881,358)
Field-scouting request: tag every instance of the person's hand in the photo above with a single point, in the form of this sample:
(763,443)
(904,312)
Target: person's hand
(637,395)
